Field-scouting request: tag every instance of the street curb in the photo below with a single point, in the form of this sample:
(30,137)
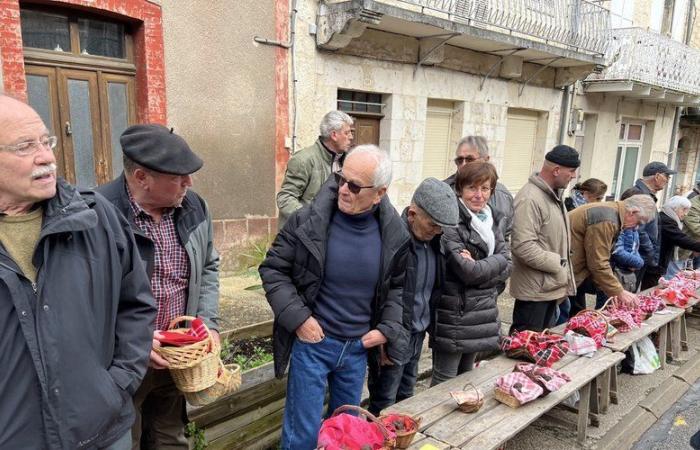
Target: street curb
(628,430)
(664,396)
(690,371)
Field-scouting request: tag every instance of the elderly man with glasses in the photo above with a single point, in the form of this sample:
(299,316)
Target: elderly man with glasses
(76,316)
(475,148)
(334,279)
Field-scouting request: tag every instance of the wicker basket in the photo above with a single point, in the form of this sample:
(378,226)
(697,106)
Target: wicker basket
(389,444)
(227,382)
(506,398)
(404,438)
(193,367)
(468,404)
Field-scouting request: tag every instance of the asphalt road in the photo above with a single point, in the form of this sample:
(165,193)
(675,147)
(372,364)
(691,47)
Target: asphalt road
(675,429)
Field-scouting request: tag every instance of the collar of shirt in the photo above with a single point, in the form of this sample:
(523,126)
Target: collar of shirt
(138,211)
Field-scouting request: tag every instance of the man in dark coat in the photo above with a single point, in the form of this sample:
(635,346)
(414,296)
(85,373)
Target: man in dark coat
(433,207)
(334,279)
(76,316)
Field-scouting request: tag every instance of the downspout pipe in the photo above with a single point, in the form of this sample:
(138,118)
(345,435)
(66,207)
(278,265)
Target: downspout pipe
(565,113)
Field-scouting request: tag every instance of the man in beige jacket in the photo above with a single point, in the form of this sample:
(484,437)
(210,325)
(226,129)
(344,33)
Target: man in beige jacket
(540,243)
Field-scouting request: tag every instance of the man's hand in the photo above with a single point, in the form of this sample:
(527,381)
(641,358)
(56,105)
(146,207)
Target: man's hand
(157,361)
(466,255)
(310,331)
(628,299)
(373,338)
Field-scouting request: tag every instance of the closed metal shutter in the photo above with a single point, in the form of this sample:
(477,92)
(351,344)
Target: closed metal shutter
(521,135)
(438,151)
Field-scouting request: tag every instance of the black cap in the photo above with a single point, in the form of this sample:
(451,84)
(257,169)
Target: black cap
(564,156)
(158,148)
(655,167)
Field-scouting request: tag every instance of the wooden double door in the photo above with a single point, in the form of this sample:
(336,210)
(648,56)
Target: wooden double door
(87,110)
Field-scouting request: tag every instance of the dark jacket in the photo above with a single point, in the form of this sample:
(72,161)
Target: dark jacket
(648,232)
(501,202)
(75,345)
(194,228)
(410,278)
(465,319)
(671,237)
(625,254)
(293,270)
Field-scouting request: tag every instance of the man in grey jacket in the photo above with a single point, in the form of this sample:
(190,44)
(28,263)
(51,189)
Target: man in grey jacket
(173,229)
(76,315)
(310,167)
(475,148)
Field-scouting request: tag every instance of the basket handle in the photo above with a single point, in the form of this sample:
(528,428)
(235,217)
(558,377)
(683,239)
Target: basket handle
(366,414)
(179,319)
(595,312)
(478,392)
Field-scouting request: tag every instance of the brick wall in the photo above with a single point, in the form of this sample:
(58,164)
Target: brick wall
(148,50)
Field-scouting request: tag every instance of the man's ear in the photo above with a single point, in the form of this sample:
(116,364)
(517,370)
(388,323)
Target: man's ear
(380,193)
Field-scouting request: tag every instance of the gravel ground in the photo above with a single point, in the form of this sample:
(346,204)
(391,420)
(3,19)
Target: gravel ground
(239,307)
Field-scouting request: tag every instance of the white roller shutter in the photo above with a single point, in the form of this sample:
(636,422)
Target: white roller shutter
(437,151)
(521,134)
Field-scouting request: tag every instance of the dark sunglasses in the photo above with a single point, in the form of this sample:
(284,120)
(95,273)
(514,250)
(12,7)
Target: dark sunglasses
(354,188)
(464,159)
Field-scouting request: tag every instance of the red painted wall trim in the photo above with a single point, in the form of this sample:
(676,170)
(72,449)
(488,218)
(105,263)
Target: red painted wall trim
(148,50)
(281,90)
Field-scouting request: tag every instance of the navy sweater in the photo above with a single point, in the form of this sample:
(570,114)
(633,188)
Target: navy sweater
(353,261)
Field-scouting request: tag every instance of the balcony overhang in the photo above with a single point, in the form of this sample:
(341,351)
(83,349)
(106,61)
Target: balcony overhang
(341,21)
(640,91)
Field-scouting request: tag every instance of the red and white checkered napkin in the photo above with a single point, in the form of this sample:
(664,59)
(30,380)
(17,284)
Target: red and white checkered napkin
(551,380)
(196,333)
(519,386)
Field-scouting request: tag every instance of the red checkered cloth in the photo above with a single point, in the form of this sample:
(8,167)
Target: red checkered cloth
(622,317)
(544,349)
(551,380)
(679,290)
(650,304)
(519,386)
(197,332)
(591,324)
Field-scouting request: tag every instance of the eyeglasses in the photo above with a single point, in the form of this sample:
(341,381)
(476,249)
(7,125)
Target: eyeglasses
(354,188)
(464,160)
(485,190)
(28,148)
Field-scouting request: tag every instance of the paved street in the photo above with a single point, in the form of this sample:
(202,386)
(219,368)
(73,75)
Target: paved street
(677,426)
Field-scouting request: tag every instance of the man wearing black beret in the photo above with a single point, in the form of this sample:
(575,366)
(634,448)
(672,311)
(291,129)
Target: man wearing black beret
(542,274)
(174,234)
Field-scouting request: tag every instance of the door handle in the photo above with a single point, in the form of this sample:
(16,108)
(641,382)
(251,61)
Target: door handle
(69,129)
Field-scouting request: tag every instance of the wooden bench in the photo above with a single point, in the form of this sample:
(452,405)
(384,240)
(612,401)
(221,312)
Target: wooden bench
(495,423)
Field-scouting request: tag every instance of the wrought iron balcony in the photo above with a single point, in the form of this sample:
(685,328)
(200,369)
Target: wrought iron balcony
(566,32)
(644,64)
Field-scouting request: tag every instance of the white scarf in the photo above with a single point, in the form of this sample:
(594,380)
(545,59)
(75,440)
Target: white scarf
(484,228)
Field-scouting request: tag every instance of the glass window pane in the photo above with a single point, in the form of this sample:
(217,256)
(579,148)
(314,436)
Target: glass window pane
(81,124)
(44,30)
(39,99)
(344,95)
(629,169)
(361,98)
(374,98)
(634,133)
(101,38)
(118,121)
(617,170)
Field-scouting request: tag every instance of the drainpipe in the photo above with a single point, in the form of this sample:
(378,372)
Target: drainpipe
(565,113)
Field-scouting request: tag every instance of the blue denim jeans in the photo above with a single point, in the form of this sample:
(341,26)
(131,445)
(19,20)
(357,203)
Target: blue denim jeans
(390,384)
(337,364)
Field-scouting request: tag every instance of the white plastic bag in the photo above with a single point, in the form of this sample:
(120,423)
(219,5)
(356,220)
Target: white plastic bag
(646,359)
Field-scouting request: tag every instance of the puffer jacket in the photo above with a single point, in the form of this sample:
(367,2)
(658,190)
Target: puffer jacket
(625,254)
(75,344)
(292,273)
(465,318)
(671,237)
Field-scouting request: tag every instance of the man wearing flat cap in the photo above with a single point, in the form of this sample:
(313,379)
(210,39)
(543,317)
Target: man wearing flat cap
(433,207)
(542,273)
(173,230)
(655,177)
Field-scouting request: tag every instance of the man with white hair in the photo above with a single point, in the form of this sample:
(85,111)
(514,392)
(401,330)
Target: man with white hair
(594,231)
(475,148)
(334,279)
(310,167)
(76,315)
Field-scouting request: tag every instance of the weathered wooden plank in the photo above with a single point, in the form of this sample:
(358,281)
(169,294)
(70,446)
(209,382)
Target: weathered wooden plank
(233,424)
(622,341)
(420,440)
(493,426)
(250,437)
(260,329)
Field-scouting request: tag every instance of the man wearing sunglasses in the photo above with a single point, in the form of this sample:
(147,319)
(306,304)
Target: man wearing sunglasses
(475,148)
(76,310)
(309,168)
(334,279)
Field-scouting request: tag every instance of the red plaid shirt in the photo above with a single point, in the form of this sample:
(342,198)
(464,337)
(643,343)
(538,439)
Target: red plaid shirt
(171,268)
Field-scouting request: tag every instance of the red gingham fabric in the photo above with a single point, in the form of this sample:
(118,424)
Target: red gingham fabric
(171,268)
(519,386)
(622,317)
(551,380)
(543,349)
(591,324)
(650,304)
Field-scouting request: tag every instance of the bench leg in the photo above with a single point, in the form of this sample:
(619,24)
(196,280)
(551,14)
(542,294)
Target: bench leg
(605,390)
(684,333)
(676,338)
(663,345)
(595,405)
(583,410)
(613,384)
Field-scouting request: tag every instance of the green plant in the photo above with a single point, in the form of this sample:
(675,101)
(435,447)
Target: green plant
(258,358)
(256,253)
(226,350)
(199,442)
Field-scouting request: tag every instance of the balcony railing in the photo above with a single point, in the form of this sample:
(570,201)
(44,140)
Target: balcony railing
(576,24)
(643,56)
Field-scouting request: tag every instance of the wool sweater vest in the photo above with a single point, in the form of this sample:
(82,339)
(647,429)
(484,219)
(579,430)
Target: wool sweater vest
(353,261)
